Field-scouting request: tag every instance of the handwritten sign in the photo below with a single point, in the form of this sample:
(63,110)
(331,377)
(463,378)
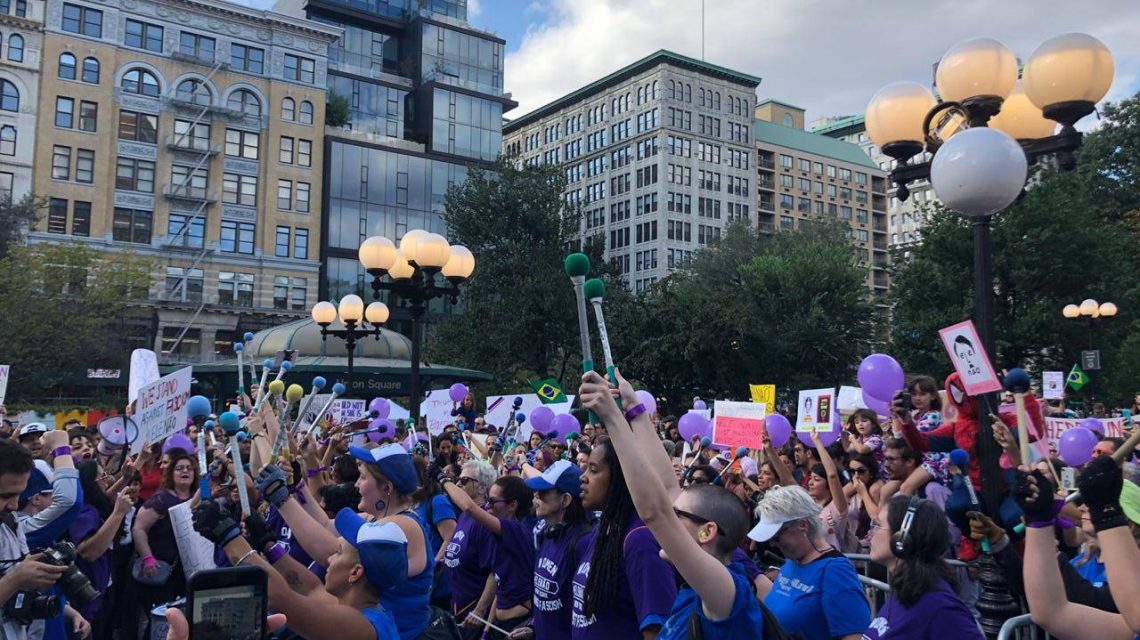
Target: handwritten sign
(4,371)
(144,370)
(194,551)
(161,408)
(970,358)
(739,424)
(1053,385)
(764,394)
(348,410)
(1054,427)
(813,412)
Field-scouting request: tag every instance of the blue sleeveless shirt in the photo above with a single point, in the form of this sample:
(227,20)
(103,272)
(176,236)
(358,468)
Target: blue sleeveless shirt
(382,621)
(409,602)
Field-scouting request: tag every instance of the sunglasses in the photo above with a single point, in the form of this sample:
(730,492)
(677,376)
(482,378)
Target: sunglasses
(690,516)
(858,470)
(463,481)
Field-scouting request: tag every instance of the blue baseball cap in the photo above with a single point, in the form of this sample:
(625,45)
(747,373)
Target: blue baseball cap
(382,547)
(562,475)
(39,481)
(394,463)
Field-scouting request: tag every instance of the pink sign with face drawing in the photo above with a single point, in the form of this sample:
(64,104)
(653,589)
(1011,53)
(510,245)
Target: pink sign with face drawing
(970,358)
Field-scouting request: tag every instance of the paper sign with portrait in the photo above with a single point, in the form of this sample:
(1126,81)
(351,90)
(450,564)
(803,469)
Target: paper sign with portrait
(970,358)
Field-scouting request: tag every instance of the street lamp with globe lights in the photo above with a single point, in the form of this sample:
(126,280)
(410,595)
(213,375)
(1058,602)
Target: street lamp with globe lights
(1090,310)
(409,273)
(359,322)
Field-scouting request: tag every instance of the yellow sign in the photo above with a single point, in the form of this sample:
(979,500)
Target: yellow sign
(764,394)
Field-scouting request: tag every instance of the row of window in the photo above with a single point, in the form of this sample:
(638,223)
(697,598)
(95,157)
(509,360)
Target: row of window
(234,290)
(805,165)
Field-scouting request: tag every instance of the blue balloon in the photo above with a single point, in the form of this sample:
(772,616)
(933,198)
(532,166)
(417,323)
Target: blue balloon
(248,336)
(229,422)
(198,406)
(319,382)
(520,417)
(338,389)
(706,441)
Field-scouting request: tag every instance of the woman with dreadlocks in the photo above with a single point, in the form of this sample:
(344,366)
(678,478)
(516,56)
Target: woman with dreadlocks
(622,587)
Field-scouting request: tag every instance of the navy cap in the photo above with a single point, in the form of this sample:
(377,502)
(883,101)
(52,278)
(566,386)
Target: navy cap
(562,475)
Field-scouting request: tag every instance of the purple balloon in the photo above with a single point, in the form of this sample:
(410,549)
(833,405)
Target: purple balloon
(1094,425)
(1076,446)
(410,442)
(699,404)
(380,406)
(178,441)
(779,429)
(457,392)
(541,418)
(563,425)
(693,424)
(647,399)
(380,428)
(881,376)
(881,407)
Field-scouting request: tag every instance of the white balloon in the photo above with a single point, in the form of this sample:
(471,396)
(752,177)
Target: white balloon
(979,172)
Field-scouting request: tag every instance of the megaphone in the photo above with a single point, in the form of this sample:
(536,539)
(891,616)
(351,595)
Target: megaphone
(115,433)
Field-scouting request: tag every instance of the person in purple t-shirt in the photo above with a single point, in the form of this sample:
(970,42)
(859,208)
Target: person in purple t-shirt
(93,532)
(923,603)
(469,555)
(509,501)
(622,588)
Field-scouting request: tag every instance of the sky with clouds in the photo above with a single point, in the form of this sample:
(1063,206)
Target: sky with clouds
(828,56)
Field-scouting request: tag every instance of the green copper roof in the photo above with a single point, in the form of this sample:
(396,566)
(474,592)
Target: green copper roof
(840,124)
(652,60)
(809,142)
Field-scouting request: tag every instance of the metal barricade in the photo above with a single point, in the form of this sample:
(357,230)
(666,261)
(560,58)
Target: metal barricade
(1022,628)
(876,590)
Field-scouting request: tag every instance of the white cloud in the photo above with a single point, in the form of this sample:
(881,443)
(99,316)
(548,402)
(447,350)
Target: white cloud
(826,56)
(474,8)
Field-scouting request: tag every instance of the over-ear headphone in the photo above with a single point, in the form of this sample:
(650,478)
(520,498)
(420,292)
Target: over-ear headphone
(900,540)
(552,531)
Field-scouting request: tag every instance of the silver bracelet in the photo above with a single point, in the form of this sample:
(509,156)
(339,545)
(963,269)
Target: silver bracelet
(243,558)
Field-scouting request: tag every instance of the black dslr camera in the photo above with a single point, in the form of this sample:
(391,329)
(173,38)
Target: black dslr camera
(26,606)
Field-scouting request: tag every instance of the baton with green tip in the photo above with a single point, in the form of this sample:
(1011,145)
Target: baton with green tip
(595,292)
(578,267)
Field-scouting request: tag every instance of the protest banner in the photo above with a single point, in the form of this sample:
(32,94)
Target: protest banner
(969,357)
(144,371)
(813,412)
(739,424)
(764,394)
(161,408)
(4,370)
(1053,385)
(1054,427)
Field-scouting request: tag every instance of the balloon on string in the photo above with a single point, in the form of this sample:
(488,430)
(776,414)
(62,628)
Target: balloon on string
(647,399)
(1076,446)
(692,425)
(880,407)
(457,392)
(380,428)
(410,441)
(178,441)
(881,376)
(779,429)
(541,417)
(379,407)
(1094,425)
(563,425)
(699,404)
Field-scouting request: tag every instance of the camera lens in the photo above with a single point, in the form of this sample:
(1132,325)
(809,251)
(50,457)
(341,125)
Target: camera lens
(77,587)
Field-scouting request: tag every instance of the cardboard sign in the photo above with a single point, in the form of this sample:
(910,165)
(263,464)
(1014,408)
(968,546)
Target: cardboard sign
(764,394)
(435,412)
(195,552)
(161,408)
(1053,385)
(739,424)
(813,412)
(347,410)
(144,371)
(4,371)
(970,358)
(499,410)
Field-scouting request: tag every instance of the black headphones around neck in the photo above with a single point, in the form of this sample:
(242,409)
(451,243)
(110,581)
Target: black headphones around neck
(900,540)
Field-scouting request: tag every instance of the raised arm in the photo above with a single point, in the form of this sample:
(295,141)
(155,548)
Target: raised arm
(785,475)
(1100,484)
(833,482)
(465,504)
(649,445)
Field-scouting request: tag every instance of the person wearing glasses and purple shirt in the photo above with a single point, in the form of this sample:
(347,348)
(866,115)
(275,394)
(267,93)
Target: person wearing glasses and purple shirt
(470,554)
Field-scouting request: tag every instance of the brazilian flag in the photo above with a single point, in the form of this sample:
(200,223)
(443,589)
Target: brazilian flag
(548,391)
(1077,378)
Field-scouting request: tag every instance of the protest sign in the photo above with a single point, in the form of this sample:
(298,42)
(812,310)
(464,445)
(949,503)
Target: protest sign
(739,424)
(435,412)
(850,400)
(144,371)
(4,370)
(1053,385)
(970,358)
(161,408)
(194,552)
(814,410)
(764,394)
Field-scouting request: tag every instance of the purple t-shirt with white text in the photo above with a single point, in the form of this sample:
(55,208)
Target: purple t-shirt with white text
(276,523)
(937,613)
(470,556)
(645,594)
(553,573)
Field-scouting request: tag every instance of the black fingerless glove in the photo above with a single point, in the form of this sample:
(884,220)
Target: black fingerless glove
(258,532)
(214,523)
(273,485)
(1100,484)
(1039,511)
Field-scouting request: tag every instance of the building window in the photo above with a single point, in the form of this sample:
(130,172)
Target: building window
(188,181)
(81,218)
(134,175)
(57,216)
(64,112)
(285,156)
(300,69)
(246,58)
(179,342)
(9,96)
(281,290)
(238,189)
(196,46)
(242,144)
(67,66)
(306,112)
(143,35)
(88,116)
(16,48)
(132,225)
(82,20)
(305,153)
(284,194)
(61,163)
(235,289)
(301,244)
(91,70)
(140,82)
(302,204)
(237,237)
(186,230)
(6,180)
(85,166)
(288,110)
(281,246)
(138,127)
(7,140)
(190,135)
(184,284)
(245,101)
(785,161)
(194,91)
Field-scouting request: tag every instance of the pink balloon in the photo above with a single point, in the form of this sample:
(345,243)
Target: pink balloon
(779,429)
(563,425)
(647,399)
(693,424)
(541,418)
(1076,445)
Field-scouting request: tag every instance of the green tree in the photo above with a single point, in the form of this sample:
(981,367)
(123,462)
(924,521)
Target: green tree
(16,218)
(1067,239)
(62,302)
(519,321)
(337,113)
(790,309)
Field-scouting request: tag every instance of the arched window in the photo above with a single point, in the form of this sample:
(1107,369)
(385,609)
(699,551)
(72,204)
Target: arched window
(245,101)
(141,82)
(689,93)
(716,100)
(194,91)
(788,120)
(288,110)
(67,64)
(9,96)
(701,102)
(672,89)
(655,95)
(91,70)
(16,48)
(7,140)
(306,112)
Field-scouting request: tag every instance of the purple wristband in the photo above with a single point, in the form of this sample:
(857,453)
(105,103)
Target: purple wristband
(1040,524)
(276,552)
(61,451)
(635,411)
(313,472)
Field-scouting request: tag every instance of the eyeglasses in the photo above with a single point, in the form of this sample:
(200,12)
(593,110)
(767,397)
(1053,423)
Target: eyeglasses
(690,516)
(463,481)
(858,470)
(493,501)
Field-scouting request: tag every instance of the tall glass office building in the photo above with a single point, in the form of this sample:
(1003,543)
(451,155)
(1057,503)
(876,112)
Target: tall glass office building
(426,100)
